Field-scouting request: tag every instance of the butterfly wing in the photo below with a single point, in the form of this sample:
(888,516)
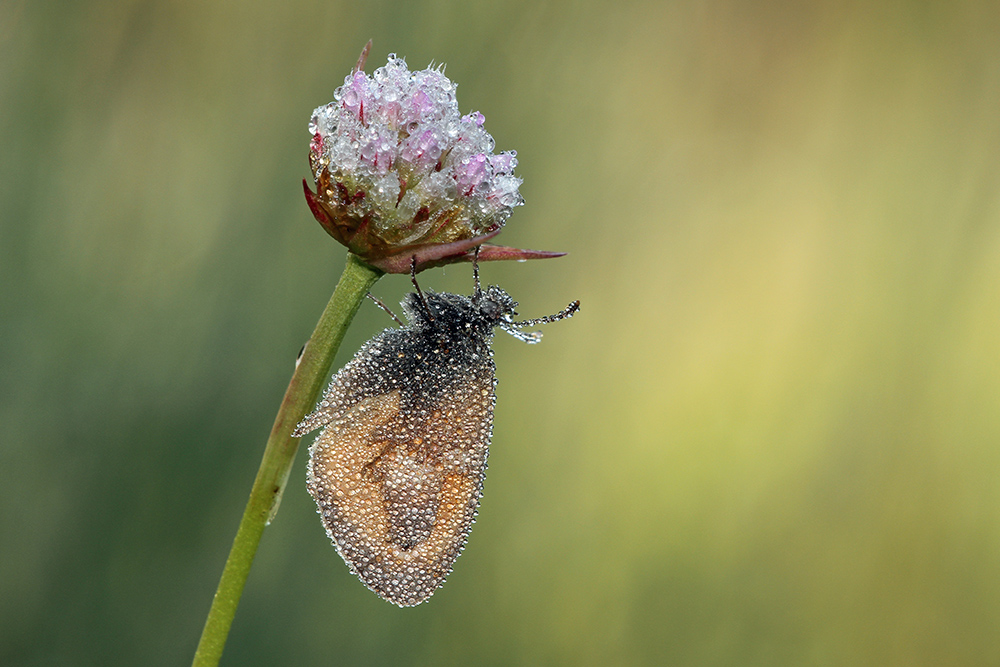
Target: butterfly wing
(397,475)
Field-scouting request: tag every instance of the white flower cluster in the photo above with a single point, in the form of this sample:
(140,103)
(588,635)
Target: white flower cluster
(398,155)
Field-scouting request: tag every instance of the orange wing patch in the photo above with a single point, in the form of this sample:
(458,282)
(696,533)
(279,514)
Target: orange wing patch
(398,498)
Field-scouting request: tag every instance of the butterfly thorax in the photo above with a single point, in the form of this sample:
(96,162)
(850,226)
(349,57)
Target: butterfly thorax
(460,316)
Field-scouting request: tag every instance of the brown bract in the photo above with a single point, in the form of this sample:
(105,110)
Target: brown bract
(445,245)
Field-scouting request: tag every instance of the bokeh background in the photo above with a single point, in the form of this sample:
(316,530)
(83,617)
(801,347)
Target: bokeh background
(770,437)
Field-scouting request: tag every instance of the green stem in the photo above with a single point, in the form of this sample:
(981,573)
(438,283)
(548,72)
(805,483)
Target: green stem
(303,390)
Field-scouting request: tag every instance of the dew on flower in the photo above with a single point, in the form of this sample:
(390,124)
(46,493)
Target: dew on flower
(403,126)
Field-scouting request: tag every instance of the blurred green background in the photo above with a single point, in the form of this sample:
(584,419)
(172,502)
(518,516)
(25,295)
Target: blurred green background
(770,437)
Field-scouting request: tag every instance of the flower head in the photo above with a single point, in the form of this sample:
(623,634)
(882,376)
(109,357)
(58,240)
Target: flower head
(400,173)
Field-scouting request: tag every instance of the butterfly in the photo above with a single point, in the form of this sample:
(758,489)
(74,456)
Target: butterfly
(397,472)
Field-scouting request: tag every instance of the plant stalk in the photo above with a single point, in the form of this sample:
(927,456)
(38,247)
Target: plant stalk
(310,374)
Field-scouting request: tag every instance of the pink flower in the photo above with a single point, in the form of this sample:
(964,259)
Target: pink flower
(399,173)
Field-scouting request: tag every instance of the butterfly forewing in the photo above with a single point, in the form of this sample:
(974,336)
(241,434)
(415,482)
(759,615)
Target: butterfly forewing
(397,476)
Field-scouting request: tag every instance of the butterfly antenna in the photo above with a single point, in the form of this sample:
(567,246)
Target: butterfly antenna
(568,311)
(531,337)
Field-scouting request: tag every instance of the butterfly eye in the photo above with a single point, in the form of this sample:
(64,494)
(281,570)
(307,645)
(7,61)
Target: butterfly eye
(491,309)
